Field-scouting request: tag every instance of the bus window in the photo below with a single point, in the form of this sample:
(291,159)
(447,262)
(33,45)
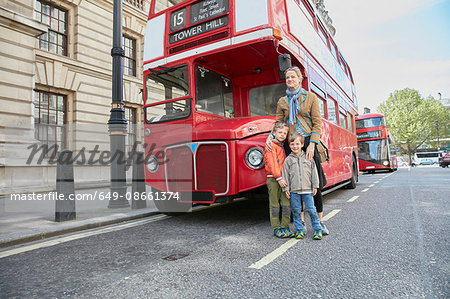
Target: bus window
(333,50)
(165,4)
(310,13)
(373,151)
(214,93)
(331,105)
(166,84)
(264,99)
(322,107)
(350,122)
(322,34)
(370,122)
(342,121)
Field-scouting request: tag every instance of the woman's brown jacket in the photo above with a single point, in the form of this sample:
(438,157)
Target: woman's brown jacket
(309,110)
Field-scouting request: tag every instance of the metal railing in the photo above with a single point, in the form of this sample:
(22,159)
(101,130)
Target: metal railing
(139,4)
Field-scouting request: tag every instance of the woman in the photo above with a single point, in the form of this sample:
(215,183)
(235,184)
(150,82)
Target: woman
(300,108)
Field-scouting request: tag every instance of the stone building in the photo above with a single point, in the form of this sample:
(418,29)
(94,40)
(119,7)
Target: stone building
(55,74)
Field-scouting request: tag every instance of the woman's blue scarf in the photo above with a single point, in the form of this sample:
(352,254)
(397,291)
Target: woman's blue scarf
(294,106)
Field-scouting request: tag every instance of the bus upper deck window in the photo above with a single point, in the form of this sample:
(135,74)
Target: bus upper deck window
(161,5)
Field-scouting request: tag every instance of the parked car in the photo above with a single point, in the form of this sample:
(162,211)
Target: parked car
(426,162)
(445,160)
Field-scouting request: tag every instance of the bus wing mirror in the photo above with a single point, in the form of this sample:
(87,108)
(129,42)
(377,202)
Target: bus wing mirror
(284,62)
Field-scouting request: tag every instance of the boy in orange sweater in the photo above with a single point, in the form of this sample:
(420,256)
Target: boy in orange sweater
(277,198)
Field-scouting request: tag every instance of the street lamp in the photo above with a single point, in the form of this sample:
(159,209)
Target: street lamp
(436,125)
(117,123)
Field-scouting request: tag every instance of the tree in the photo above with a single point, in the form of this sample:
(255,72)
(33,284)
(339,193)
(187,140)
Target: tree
(411,118)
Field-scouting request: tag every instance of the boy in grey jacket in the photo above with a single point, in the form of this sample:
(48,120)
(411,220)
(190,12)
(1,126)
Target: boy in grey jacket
(302,181)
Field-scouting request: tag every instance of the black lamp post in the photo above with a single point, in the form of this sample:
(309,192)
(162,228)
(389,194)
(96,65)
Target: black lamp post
(436,125)
(117,123)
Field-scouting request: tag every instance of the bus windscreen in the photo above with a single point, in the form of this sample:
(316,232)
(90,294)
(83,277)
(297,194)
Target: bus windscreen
(370,122)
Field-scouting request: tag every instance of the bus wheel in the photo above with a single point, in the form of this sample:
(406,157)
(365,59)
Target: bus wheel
(170,207)
(354,179)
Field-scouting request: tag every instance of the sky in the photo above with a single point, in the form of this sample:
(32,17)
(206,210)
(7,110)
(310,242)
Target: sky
(394,44)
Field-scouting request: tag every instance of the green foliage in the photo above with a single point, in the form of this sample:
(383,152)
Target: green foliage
(411,118)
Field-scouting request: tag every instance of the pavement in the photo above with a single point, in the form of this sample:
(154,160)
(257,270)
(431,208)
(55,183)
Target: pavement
(31,219)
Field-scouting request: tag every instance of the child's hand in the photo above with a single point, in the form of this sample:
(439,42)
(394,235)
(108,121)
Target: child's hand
(314,191)
(282,183)
(288,194)
(269,143)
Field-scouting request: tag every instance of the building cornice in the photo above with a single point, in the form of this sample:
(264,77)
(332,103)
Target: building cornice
(21,23)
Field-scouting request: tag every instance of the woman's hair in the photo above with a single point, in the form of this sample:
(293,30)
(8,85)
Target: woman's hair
(296,69)
(279,125)
(296,135)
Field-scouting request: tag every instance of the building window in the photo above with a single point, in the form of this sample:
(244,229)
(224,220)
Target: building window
(55,40)
(129,60)
(130,116)
(49,118)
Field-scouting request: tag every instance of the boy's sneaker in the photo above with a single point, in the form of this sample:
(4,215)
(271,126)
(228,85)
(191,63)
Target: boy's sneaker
(325,230)
(317,235)
(288,233)
(279,232)
(304,227)
(300,234)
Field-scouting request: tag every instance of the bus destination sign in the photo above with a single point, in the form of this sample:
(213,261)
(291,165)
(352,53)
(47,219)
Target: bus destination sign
(199,29)
(204,10)
(370,134)
(198,12)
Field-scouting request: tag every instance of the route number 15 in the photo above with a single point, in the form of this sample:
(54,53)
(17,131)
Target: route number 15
(178,19)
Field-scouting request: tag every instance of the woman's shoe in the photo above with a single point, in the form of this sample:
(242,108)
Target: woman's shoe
(325,230)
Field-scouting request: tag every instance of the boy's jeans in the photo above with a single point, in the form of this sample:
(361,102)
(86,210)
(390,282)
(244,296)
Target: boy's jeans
(296,205)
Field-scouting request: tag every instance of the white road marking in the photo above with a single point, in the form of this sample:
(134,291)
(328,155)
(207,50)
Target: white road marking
(274,254)
(79,236)
(372,185)
(353,198)
(365,190)
(331,214)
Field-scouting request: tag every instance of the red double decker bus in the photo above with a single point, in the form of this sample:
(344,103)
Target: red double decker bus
(212,82)
(375,143)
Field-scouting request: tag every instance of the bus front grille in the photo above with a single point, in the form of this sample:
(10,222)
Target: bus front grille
(180,171)
(211,166)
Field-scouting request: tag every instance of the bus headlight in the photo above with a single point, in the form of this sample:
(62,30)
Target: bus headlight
(152,164)
(386,163)
(254,158)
